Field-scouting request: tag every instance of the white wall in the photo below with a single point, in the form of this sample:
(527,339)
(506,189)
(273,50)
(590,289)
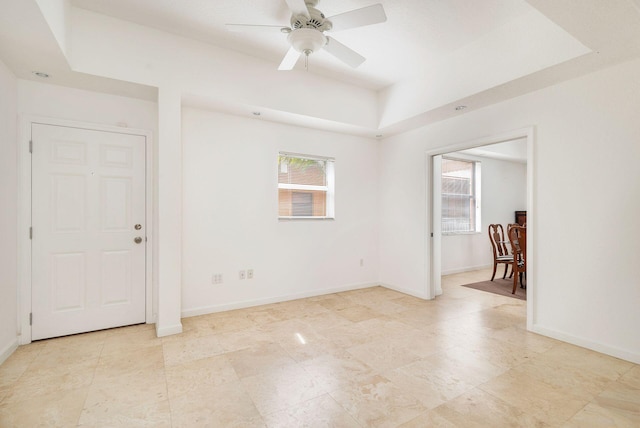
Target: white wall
(60,102)
(8,213)
(504,190)
(587,202)
(230,214)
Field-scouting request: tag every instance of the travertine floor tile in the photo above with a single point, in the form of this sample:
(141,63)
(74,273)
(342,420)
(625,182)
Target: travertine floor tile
(383,354)
(181,351)
(477,408)
(259,359)
(204,373)
(56,409)
(332,301)
(525,339)
(283,388)
(18,362)
(589,361)
(432,419)
(226,405)
(564,377)
(318,412)
(325,320)
(41,381)
(117,394)
(334,371)
(130,340)
(123,363)
(430,383)
(620,398)
(154,414)
(535,398)
(377,402)
(595,416)
(243,339)
(68,354)
(357,313)
(632,377)
(361,358)
(225,322)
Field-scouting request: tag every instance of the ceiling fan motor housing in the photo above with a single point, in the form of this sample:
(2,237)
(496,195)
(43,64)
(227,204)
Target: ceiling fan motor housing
(316,20)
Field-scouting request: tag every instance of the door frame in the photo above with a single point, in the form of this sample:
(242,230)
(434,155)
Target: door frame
(24,213)
(434,233)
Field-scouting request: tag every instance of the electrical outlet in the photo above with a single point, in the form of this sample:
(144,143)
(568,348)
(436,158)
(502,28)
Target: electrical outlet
(243,274)
(250,274)
(361,262)
(216,278)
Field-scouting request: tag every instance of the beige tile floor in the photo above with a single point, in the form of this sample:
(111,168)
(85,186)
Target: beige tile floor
(371,357)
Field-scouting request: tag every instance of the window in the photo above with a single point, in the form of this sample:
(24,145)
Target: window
(460,196)
(305,186)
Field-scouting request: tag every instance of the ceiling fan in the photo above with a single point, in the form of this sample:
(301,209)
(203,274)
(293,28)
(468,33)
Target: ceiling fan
(308,24)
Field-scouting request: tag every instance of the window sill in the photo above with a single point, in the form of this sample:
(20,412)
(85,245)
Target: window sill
(460,233)
(305,218)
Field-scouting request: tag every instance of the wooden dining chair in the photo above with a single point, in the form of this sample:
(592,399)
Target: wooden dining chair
(500,251)
(509,226)
(518,240)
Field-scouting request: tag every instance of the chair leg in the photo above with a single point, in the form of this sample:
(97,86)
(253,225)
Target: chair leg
(506,268)
(515,284)
(495,266)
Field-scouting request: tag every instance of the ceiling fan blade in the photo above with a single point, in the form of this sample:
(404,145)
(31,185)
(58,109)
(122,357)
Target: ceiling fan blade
(298,7)
(289,60)
(343,53)
(254,28)
(358,18)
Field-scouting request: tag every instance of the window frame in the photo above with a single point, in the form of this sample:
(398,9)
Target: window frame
(476,196)
(329,188)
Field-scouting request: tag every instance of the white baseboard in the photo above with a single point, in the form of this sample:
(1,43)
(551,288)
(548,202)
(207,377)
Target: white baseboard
(466,269)
(613,351)
(422,296)
(168,331)
(8,350)
(203,310)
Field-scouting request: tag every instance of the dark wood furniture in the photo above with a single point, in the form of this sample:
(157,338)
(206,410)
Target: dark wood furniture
(521,218)
(518,240)
(500,251)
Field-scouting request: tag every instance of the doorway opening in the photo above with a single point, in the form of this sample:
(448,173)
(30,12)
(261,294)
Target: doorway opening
(506,162)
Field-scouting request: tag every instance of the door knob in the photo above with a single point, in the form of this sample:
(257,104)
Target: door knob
(138,226)
(137,239)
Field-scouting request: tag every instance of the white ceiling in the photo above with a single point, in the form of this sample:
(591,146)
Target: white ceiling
(428,57)
(417,33)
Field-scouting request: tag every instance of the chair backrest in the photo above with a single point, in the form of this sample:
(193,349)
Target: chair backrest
(518,239)
(496,236)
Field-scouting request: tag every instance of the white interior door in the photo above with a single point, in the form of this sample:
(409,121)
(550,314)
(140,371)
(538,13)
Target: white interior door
(88,211)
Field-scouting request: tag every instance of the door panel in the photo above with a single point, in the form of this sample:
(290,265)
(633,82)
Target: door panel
(68,277)
(88,192)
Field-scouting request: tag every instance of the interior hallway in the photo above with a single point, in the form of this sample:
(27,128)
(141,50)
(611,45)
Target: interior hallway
(371,357)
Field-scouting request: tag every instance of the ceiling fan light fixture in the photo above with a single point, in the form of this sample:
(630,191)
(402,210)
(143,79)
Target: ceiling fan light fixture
(307,40)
